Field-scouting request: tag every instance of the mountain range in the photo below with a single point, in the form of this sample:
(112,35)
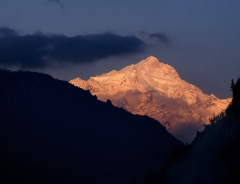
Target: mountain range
(155,89)
(54,132)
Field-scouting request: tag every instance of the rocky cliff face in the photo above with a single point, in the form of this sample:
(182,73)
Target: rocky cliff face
(155,89)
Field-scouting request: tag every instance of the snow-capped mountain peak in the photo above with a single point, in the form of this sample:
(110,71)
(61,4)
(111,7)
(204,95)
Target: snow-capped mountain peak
(153,88)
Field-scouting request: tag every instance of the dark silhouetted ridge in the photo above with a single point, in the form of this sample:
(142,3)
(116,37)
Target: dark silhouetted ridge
(214,155)
(54,132)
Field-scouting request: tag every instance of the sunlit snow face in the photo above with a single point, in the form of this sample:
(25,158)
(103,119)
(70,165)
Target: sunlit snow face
(155,89)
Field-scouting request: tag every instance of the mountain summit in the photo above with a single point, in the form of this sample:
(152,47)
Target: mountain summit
(155,89)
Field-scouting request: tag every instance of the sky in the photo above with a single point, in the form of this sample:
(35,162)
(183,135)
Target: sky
(69,39)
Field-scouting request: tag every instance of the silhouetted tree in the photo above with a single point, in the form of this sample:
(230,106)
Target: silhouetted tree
(234,106)
(232,85)
(215,119)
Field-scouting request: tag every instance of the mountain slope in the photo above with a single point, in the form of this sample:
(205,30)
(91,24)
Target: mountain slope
(213,157)
(54,132)
(155,89)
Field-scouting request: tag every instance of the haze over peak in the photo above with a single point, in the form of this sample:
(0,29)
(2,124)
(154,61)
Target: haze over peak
(153,88)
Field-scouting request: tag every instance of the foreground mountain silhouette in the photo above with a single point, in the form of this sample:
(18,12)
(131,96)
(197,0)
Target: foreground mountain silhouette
(54,132)
(213,157)
(155,89)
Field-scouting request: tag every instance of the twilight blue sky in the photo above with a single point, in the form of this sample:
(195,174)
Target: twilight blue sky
(70,38)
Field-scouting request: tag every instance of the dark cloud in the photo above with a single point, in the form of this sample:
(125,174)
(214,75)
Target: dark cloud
(162,37)
(5,31)
(159,37)
(58,2)
(40,50)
